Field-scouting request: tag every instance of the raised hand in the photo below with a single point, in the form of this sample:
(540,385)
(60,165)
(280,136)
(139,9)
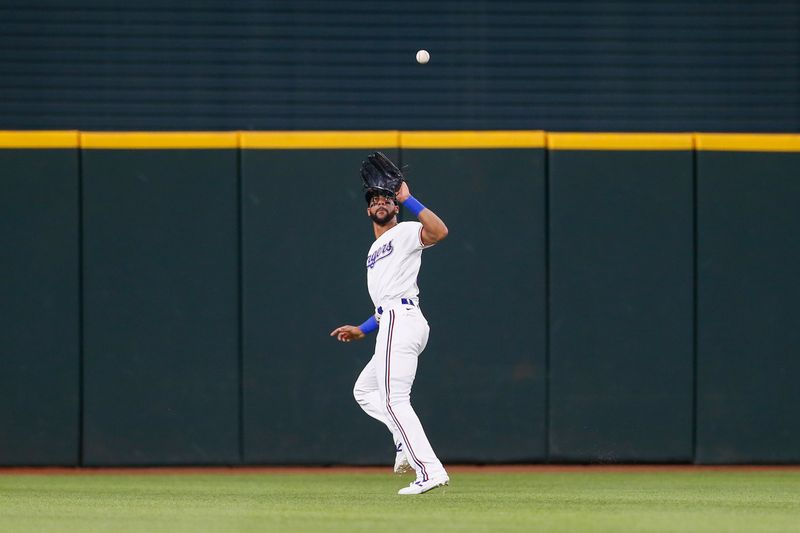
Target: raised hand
(403,192)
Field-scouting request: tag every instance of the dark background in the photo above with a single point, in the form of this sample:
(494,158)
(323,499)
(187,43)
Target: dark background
(671,65)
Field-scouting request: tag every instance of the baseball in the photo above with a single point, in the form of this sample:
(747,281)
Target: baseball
(423,57)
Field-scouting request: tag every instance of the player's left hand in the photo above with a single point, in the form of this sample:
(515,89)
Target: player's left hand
(403,192)
(348,333)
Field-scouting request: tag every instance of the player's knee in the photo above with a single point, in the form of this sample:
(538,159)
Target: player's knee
(397,400)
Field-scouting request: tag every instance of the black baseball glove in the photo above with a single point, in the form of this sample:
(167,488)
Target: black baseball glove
(380,176)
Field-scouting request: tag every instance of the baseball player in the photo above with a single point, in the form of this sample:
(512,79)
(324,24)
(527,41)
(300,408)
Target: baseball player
(384,387)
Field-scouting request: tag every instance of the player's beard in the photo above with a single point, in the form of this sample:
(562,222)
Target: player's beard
(382,220)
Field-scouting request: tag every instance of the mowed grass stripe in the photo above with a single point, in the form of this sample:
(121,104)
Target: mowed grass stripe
(673,501)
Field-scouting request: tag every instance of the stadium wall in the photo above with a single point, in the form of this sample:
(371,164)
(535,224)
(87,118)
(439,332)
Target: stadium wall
(601,298)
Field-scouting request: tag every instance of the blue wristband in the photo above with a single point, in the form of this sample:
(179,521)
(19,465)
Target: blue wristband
(413,205)
(369,325)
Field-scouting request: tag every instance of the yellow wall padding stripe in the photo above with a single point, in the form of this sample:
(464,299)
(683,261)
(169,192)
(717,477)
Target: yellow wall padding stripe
(38,139)
(620,141)
(749,142)
(320,140)
(159,140)
(281,140)
(472,139)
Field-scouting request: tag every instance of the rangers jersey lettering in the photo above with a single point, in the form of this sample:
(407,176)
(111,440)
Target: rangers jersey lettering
(379,254)
(393,263)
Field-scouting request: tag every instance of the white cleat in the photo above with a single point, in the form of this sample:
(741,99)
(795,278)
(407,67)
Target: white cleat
(401,465)
(419,487)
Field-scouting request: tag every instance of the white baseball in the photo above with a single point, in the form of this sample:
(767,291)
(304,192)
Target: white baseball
(423,57)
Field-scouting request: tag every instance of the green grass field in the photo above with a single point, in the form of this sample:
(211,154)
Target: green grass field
(749,501)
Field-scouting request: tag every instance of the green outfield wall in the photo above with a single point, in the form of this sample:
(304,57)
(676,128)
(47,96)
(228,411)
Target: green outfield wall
(40,344)
(621,298)
(601,297)
(160,304)
(748,335)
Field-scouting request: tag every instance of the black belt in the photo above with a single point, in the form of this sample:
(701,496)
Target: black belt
(404,301)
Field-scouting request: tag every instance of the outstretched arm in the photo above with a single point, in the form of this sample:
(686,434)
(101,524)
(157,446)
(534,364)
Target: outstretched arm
(355,333)
(348,333)
(433,228)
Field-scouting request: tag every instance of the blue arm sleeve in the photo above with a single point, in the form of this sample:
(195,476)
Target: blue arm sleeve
(413,205)
(369,325)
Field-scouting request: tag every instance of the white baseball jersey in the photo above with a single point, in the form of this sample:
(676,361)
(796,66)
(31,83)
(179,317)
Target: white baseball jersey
(393,263)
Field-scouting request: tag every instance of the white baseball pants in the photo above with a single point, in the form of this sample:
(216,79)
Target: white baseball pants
(383,390)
